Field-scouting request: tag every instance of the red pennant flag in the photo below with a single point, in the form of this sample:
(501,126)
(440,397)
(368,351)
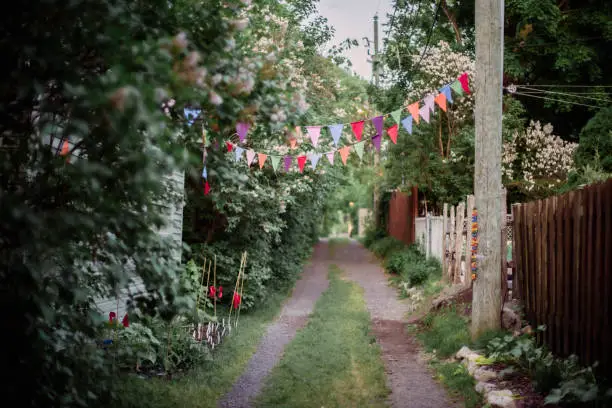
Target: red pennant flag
(65,148)
(414,111)
(441,101)
(236,300)
(465,82)
(206,188)
(392,132)
(230,146)
(358,129)
(125,321)
(301,162)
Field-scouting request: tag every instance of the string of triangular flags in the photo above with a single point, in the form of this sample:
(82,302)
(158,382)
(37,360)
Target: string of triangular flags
(417,112)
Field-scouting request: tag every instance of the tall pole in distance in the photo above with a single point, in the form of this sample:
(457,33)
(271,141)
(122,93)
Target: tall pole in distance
(487,299)
(375,67)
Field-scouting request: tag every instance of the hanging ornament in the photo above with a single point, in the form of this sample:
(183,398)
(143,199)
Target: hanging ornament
(474,242)
(125,322)
(236,300)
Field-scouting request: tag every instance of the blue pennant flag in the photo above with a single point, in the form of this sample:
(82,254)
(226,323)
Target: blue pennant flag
(204,173)
(191,115)
(336,132)
(407,124)
(238,153)
(446,90)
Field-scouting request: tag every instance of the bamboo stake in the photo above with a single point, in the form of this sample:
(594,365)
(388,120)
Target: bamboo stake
(241,288)
(235,288)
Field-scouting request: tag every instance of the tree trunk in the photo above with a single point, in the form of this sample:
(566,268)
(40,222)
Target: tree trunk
(452,20)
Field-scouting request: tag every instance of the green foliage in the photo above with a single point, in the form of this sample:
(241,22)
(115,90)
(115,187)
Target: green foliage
(412,266)
(595,145)
(334,361)
(459,382)
(444,332)
(563,380)
(386,246)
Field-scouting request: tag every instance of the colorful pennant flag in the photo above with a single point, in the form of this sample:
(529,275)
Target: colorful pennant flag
(293,143)
(358,128)
(414,111)
(392,132)
(397,115)
(275,162)
(376,141)
(301,163)
(250,156)
(359,149)
(424,112)
(441,101)
(206,188)
(407,124)
(429,102)
(65,148)
(242,129)
(238,152)
(330,157)
(298,132)
(336,132)
(314,159)
(464,80)
(191,115)
(457,87)
(344,153)
(288,161)
(204,173)
(446,90)
(261,157)
(230,146)
(378,124)
(314,132)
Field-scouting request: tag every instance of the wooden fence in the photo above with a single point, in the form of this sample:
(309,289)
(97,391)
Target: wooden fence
(402,214)
(563,270)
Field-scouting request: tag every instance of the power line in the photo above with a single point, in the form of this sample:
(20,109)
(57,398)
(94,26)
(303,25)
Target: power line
(556,100)
(544,91)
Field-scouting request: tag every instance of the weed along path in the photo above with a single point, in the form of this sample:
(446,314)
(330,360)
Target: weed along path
(409,379)
(293,317)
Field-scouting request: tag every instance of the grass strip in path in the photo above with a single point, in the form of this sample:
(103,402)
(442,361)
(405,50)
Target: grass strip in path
(203,386)
(334,361)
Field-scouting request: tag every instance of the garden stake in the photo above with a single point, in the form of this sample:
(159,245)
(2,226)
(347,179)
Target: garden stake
(215,285)
(241,289)
(200,288)
(115,333)
(235,288)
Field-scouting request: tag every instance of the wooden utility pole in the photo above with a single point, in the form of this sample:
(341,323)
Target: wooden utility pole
(375,67)
(487,299)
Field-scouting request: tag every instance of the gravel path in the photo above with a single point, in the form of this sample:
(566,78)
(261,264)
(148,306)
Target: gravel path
(409,379)
(293,317)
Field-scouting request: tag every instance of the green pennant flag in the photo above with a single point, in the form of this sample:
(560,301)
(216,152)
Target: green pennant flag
(397,116)
(359,149)
(456,86)
(275,162)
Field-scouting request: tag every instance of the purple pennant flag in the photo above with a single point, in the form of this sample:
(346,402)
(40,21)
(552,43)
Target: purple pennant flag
(242,128)
(288,161)
(429,101)
(336,132)
(378,124)
(446,90)
(376,141)
(424,112)
(407,124)
(314,132)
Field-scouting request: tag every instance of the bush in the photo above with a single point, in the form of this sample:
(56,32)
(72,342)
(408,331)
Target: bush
(386,246)
(372,235)
(410,264)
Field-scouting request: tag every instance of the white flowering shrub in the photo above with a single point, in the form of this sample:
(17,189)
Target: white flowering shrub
(536,159)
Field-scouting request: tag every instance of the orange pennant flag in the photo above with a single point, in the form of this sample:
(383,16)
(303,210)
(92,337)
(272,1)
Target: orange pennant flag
(65,148)
(262,159)
(392,132)
(293,143)
(441,101)
(414,111)
(344,153)
(301,163)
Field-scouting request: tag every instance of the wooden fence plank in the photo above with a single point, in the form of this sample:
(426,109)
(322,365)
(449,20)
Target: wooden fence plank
(544,243)
(577,273)
(552,268)
(458,249)
(567,267)
(588,288)
(607,268)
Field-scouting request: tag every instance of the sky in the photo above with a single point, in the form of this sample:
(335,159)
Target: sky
(354,19)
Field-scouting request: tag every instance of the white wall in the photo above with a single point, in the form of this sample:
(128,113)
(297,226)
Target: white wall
(429,235)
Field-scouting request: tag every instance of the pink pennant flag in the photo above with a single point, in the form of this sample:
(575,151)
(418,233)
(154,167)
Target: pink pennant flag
(330,157)
(293,143)
(250,156)
(429,102)
(301,163)
(465,82)
(314,132)
(242,129)
(424,112)
(262,159)
(358,129)
(392,132)
(344,153)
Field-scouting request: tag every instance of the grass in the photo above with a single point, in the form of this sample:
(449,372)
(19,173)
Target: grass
(333,361)
(459,383)
(203,386)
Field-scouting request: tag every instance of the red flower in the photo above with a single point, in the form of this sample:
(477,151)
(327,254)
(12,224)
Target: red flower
(236,301)
(125,321)
(211,292)
(220,292)
(111,317)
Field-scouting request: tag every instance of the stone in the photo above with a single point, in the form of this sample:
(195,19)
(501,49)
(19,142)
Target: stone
(471,366)
(510,319)
(484,388)
(484,375)
(501,399)
(466,354)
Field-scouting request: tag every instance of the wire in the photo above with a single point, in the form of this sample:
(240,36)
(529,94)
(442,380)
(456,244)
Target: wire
(557,100)
(418,65)
(540,91)
(566,86)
